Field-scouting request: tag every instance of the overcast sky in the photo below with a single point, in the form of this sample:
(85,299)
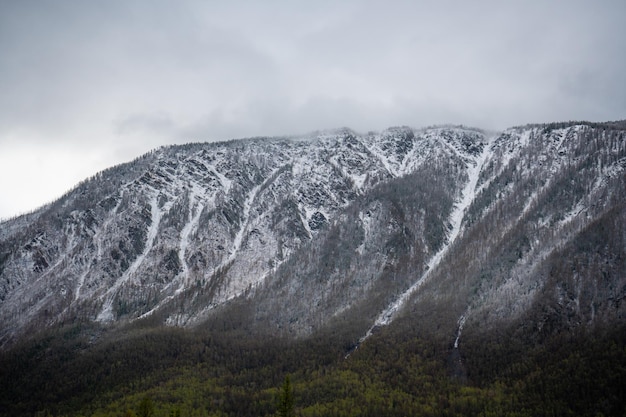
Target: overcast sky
(85,85)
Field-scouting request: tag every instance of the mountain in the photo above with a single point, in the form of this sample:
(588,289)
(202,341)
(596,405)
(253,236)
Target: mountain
(333,226)
(455,269)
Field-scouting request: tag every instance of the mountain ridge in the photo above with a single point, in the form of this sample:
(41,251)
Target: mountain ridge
(310,230)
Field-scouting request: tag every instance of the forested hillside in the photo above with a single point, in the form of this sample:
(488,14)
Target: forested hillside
(401,371)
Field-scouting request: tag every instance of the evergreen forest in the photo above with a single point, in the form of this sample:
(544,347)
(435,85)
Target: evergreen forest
(403,370)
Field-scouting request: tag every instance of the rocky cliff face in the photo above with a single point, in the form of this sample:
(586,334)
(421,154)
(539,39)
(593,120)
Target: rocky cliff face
(457,224)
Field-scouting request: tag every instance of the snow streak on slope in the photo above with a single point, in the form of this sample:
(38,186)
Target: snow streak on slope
(185,235)
(185,239)
(99,245)
(107,310)
(383,160)
(461,323)
(456,218)
(81,282)
(247,206)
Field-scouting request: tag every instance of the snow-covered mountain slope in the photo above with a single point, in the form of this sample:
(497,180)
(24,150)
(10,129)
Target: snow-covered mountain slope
(201,220)
(537,247)
(310,231)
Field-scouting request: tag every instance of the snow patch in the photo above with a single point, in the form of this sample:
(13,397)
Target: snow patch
(383,160)
(461,323)
(579,208)
(366,222)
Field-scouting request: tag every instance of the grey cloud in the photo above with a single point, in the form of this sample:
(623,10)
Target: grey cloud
(145,123)
(133,75)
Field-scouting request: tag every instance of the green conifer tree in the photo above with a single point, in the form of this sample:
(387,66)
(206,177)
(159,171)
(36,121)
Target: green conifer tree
(285,401)
(146,408)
